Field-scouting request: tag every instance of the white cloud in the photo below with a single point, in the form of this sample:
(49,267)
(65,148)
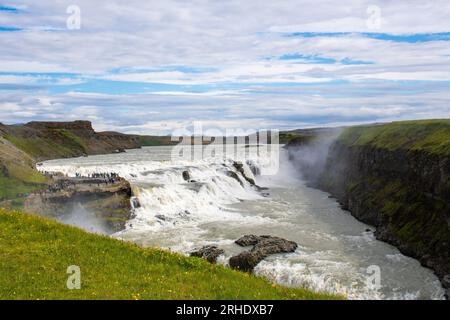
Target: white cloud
(237,45)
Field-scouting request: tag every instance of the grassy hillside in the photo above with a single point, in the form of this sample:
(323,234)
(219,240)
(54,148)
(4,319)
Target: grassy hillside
(17,174)
(36,252)
(22,145)
(432,136)
(61,144)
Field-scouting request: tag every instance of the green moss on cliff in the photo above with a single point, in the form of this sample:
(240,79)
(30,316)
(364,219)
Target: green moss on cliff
(410,219)
(432,136)
(36,252)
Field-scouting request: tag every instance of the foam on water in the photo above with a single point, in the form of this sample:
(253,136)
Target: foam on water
(215,209)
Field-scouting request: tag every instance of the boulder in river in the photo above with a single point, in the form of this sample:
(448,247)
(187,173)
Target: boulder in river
(263,246)
(210,253)
(248,240)
(186,176)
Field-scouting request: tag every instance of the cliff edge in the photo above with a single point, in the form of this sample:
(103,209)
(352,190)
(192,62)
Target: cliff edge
(396,177)
(23,187)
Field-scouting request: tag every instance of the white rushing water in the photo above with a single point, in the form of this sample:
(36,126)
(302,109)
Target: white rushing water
(336,254)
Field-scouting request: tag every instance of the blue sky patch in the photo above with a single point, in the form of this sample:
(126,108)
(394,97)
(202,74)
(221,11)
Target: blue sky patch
(183,69)
(308,59)
(8,9)
(408,38)
(322,60)
(9,29)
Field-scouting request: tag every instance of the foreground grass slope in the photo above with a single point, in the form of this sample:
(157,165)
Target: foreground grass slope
(35,253)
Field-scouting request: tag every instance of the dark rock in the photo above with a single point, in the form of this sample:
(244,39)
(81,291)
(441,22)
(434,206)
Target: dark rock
(255,169)
(240,168)
(238,165)
(263,247)
(262,189)
(446,281)
(271,245)
(136,203)
(186,175)
(245,261)
(248,240)
(235,176)
(210,253)
(160,217)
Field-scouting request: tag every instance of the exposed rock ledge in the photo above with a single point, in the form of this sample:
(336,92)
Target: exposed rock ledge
(263,246)
(106,199)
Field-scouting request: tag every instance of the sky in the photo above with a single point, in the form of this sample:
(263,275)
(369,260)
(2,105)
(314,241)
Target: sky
(153,67)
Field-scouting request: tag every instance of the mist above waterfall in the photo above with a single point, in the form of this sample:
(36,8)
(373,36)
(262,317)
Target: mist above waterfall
(310,157)
(80,217)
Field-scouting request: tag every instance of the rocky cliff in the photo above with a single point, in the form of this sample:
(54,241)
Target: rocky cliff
(103,204)
(23,187)
(397,178)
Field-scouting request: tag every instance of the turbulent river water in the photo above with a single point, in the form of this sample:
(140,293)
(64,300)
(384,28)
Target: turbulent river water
(336,253)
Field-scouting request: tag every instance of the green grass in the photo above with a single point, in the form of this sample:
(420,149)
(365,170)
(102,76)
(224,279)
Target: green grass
(432,136)
(61,144)
(19,180)
(11,188)
(35,253)
(72,141)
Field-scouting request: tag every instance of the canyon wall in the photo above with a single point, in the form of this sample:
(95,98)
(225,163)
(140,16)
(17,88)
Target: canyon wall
(395,177)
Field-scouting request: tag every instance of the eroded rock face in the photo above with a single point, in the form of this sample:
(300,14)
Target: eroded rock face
(235,176)
(245,172)
(108,201)
(263,246)
(210,253)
